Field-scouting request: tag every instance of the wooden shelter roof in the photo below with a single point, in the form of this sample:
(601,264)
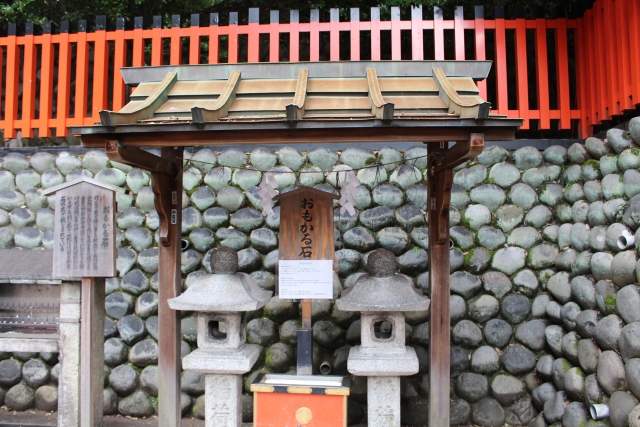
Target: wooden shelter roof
(369,101)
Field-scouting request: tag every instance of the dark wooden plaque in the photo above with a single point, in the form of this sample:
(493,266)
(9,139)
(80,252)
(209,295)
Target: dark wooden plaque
(306,224)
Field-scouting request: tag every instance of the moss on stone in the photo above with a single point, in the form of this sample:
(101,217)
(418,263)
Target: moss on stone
(370,161)
(467,258)
(610,302)
(591,162)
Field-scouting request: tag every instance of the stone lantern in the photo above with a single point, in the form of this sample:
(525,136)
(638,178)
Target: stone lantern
(382,296)
(222,300)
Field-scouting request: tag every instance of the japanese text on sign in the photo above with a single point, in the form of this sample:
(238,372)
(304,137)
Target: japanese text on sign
(305,279)
(306,249)
(84,233)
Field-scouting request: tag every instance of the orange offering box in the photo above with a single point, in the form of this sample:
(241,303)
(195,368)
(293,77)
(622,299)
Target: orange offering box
(299,400)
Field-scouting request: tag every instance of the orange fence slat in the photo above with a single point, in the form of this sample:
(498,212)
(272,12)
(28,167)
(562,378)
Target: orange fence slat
(194,40)
(633,10)
(375,33)
(501,62)
(11,83)
(100,70)
(157,45)
(253,49)
(46,83)
(138,43)
(522,79)
(458,27)
(2,52)
(334,35)
(600,61)
(214,38)
(417,48)
(542,73)
(562,73)
(175,49)
(396,46)
(583,94)
(623,55)
(594,84)
(314,35)
(611,44)
(82,76)
(232,46)
(294,36)
(480,44)
(274,36)
(438,33)
(119,61)
(28,83)
(64,79)
(355,34)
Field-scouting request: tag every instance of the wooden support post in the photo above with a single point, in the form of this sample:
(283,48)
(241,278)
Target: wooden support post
(438,198)
(170,285)
(92,351)
(305,341)
(166,183)
(306,314)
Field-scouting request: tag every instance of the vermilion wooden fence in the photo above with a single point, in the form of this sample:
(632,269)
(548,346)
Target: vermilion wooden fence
(608,58)
(50,80)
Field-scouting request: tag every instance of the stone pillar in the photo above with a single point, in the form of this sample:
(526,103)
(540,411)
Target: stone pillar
(383,401)
(223,400)
(69,380)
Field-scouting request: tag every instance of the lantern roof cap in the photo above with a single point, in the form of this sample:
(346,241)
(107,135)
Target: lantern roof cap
(382,289)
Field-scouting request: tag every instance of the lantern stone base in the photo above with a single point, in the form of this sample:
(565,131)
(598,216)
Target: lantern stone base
(222,362)
(383,401)
(223,400)
(382,362)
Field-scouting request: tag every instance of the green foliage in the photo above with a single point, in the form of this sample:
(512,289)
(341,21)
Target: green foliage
(22,11)
(39,11)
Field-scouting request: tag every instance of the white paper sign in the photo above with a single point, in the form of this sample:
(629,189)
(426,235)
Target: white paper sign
(305,279)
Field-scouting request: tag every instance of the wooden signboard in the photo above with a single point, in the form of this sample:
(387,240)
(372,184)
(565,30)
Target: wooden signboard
(85,246)
(306,224)
(306,234)
(84,230)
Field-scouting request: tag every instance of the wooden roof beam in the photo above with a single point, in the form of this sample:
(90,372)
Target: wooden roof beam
(138,158)
(461,152)
(214,110)
(457,105)
(164,172)
(146,109)
(295,110)
(379,108)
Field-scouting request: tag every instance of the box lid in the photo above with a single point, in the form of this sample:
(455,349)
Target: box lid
(301,384)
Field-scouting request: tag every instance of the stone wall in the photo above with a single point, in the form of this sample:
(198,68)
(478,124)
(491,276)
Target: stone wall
(545,309)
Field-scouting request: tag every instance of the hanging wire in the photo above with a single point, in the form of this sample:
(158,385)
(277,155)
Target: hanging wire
(376,165)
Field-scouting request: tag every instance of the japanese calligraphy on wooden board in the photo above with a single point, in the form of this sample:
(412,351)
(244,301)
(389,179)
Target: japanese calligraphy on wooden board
(306,234)
(84,229)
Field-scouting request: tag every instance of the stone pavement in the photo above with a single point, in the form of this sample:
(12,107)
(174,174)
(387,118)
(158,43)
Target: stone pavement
(34,418)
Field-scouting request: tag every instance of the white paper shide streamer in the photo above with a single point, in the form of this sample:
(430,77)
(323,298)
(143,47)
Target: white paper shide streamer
(267,192)
(347,199)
